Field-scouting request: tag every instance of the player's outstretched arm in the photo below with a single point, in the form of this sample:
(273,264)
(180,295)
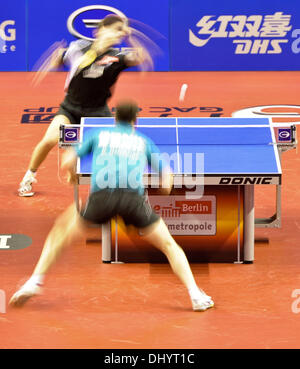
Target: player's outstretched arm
(166,181)
(49,61)
(68,163)
(140,54)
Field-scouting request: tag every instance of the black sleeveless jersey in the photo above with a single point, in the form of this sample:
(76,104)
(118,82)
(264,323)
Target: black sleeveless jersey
(90,87)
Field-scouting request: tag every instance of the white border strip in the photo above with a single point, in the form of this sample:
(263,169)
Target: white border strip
(177,147)
(173,126)
(277,124)
(275,150)
(78,167)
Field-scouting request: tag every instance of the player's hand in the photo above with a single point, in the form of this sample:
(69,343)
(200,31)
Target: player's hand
(72,177)
(165,191)
(166,183)
(128,30)
(144,50)
(140,55)
(68,163)
(56,58)
(68,160)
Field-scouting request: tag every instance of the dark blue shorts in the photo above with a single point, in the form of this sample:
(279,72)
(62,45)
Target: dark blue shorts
(133,208)
(75,112)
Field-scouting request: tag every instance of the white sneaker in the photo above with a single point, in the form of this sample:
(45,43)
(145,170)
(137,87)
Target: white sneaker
(202,303)
(206,297)
(27,291)
(25,189)
(200,300)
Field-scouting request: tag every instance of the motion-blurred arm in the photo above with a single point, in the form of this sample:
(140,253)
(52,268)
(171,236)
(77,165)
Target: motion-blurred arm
(68,163)
(140,55)
(50,60)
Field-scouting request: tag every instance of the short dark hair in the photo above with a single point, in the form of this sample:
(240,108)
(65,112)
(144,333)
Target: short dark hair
(110,19)
(126,112)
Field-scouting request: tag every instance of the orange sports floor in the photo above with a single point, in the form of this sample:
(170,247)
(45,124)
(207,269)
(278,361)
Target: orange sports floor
(88,304)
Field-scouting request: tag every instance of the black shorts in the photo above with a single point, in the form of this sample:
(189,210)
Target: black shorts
(76,112)
(132,207)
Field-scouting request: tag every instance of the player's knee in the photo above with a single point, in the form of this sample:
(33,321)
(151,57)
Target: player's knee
(69,215)
(167,246)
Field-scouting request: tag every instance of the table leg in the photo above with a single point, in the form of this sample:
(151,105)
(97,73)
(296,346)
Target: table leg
(239,227)
(106,242)
(116,244)
(249,222)
(76,196)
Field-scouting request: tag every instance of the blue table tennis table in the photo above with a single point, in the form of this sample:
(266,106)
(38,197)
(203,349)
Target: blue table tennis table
(243,152)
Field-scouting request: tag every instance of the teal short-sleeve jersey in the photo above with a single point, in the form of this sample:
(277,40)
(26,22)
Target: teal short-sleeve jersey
(120,155)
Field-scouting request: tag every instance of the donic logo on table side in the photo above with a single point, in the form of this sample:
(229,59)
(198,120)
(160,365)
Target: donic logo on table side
(82,22)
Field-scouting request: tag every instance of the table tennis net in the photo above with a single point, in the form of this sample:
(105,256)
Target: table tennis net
(197,135)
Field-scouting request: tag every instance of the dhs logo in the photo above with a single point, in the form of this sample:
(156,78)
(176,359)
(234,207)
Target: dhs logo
(82,22)
(252,34)
(71,135)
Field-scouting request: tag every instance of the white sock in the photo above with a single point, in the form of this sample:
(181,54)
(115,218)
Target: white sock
(195,293)
(30,173)
(35,280)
